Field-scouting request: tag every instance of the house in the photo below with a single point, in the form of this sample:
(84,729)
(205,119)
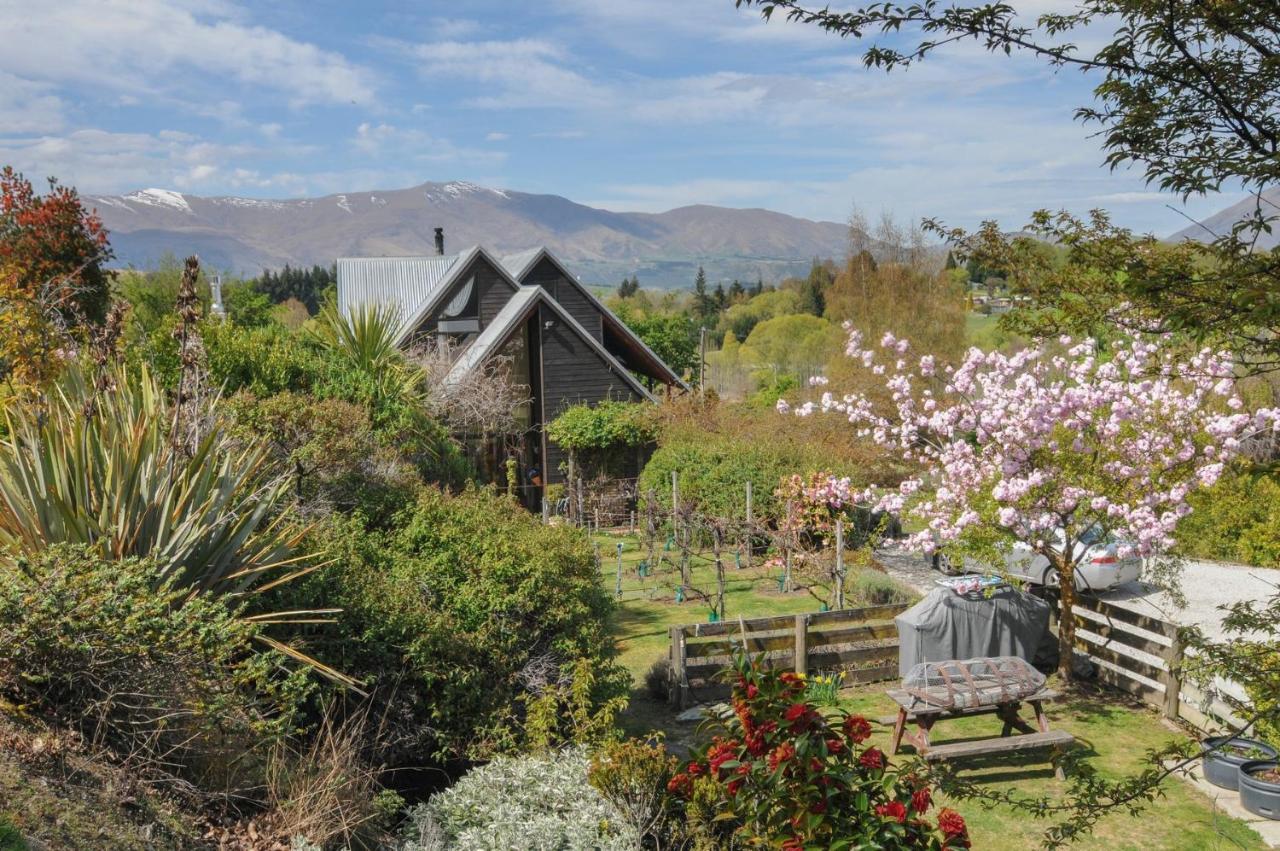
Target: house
(561,342)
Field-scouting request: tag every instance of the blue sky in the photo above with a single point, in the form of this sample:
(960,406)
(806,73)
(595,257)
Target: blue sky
(624,104)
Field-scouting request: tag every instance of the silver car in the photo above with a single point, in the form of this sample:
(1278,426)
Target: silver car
(1100,568)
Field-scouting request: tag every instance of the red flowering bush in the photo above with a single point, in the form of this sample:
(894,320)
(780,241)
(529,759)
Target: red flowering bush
(791,777)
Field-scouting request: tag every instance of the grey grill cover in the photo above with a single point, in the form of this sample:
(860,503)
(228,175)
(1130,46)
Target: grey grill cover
(946,625)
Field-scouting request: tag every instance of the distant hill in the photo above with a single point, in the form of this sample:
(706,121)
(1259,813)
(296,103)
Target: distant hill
(1220,222)
(245,235)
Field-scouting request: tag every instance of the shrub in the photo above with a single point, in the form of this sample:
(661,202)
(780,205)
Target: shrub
(118,651)
(632,775)
(598,435)
(657,681)
(10,838)
(529,802)
(786,775)
(104,470)
(870,587)
(457,611)
(718,448)
(1238,519)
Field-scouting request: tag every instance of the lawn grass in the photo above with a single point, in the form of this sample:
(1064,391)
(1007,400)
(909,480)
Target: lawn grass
(1115,732)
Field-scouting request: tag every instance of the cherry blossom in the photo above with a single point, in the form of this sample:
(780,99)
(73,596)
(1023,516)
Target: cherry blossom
(1044,443)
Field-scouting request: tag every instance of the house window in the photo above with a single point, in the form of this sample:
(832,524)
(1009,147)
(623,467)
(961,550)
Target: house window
(461,315)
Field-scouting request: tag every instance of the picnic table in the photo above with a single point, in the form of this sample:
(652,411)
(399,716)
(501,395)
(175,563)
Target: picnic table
(912,710)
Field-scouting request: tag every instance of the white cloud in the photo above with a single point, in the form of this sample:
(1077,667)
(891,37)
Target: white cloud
(497,137)
(29,107)
(138,46)
(385,141)
(518,73)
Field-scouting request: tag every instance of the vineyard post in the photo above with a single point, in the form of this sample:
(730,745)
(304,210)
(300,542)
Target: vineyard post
(839,563)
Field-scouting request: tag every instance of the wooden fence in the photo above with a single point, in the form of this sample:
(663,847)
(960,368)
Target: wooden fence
(861,643)
(1134,652)
(1140,654)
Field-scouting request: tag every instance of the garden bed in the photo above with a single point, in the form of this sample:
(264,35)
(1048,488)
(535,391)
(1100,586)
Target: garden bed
(1118,732)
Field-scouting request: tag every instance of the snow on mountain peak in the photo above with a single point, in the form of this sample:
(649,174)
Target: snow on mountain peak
(455,189)
(160,198)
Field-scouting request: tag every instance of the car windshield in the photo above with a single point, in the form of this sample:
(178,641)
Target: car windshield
(1095,534)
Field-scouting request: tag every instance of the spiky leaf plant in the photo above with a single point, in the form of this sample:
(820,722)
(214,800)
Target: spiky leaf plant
(100,469)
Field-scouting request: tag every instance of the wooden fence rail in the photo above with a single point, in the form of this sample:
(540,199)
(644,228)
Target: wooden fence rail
(861,643)
(1142,655)
(1134,652)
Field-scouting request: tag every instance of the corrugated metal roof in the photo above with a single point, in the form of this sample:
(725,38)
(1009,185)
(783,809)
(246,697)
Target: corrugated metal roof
(401,283)
(517,264)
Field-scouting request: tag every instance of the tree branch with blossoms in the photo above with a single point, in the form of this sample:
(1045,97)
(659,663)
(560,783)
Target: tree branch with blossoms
(1048,446)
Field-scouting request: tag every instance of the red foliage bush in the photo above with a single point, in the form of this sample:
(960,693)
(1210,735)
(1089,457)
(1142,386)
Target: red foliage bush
(794,778)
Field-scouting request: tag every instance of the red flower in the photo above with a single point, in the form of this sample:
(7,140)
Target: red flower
(834,746)
(921,800)
(796,711)
(694,769)
(792,681)
(872,758)
(756,745)
(857,728)
(795,843)
(721,753)
(681,784)
(781,754)
(951,823)
(752,691)
(733,787)
(892,810)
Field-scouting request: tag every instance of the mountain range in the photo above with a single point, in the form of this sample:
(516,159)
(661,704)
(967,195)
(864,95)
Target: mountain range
(246,235)
(1219,224)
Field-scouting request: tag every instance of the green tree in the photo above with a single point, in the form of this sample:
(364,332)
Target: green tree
(673,337)
(1189,92)
(736,291)
(704,306)
(629,287)
(721,298)
(796,343)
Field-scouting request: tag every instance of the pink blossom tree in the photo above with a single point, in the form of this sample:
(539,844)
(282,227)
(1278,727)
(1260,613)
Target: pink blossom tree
(1043,445)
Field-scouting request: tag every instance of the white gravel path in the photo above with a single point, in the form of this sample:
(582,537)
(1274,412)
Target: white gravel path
(1206,585)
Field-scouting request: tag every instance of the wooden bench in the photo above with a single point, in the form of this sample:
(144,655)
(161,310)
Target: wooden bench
(924,716)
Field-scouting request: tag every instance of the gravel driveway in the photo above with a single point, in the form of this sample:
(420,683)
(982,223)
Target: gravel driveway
(1206,584)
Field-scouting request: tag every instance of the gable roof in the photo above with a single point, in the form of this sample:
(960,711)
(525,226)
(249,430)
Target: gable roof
(516,310)
(521,264)
(411,286)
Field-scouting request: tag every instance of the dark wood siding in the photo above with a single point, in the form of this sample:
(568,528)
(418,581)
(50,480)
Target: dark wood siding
(572,373)
(546,275)
(495,290)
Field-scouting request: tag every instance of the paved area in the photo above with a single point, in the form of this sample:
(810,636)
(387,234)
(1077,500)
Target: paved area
(1206,585)
(1228,803)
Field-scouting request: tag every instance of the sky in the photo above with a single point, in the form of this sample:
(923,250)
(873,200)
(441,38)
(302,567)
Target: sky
(624,104)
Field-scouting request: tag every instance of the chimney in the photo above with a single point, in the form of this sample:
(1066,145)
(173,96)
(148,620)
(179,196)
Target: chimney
(439,240)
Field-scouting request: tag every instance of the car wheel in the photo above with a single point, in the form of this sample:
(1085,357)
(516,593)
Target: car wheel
(1051,578)
(942,564)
